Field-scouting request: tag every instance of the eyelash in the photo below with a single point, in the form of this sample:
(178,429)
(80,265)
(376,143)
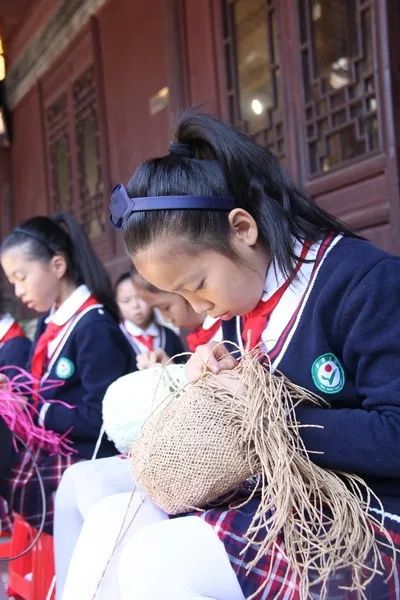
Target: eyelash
(200,286)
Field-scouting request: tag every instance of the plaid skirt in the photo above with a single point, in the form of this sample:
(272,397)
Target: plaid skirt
(271,578)
(20,489)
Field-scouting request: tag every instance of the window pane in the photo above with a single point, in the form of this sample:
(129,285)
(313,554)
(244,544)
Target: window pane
(252,70)
(338,81)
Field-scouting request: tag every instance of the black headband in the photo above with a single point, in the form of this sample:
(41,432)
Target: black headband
(34,236)
(122,206)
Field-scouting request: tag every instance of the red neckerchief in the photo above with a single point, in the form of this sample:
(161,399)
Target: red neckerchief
(14,331)
(256,320)
(200,336)
(146,340)
(40,359)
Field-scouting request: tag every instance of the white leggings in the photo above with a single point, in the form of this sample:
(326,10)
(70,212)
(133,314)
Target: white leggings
(177,559)
(81,487)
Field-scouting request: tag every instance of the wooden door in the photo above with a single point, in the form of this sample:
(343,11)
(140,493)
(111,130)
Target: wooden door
(313,81)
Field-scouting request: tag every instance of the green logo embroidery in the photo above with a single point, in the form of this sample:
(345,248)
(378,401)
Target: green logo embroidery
(65,368)
(327,373)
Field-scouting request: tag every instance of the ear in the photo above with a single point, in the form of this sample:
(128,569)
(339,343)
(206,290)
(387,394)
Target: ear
(58,265)
(243,226)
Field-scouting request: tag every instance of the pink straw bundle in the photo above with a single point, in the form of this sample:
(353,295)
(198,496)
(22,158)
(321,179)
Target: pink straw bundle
(21,416)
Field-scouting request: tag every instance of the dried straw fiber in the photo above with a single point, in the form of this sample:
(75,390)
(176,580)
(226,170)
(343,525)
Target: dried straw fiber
(206,439)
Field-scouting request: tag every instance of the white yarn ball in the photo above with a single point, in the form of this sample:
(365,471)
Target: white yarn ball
(130,400)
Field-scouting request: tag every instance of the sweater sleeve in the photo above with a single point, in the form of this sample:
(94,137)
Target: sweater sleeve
(103,355)
(366,439)
(16,353)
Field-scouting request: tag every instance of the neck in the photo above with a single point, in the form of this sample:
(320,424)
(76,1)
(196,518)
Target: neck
(67,287)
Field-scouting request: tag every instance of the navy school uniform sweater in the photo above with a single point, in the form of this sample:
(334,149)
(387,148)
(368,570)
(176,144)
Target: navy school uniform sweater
(345,347)
(94,355)
(15,352)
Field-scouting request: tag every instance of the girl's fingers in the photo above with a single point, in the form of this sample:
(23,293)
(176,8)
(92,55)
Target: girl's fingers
(227,363)
(152,358)
(213,357)
(142,361)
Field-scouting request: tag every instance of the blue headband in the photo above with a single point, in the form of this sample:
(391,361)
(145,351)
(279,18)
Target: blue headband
(122,206)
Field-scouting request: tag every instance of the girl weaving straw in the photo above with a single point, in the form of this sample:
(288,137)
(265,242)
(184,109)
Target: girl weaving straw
(218,221)
(77,352)
(84,484)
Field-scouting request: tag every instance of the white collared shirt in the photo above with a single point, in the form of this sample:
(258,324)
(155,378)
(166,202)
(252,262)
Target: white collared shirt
(64,313)
(133,330)
(6,322)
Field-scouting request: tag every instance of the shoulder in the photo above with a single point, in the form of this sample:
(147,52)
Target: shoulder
(97,327)
(168,332)
(99,316)
(355,277)
(357,256)
(351,260)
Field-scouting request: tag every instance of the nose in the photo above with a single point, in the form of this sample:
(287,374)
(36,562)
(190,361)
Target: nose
(200,306)
(135,303)
(18,290)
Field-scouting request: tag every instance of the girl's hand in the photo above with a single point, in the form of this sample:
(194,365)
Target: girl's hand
(3,380)
(149,359)
(22,402)
(213,357)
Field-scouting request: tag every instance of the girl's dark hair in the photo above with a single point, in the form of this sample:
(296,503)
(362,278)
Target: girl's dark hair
(44,237)
(224,162)
(124,277)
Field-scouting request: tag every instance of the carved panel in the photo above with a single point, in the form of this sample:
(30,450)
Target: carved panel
(339,82)
(251,48)
(91,209)
(59,154)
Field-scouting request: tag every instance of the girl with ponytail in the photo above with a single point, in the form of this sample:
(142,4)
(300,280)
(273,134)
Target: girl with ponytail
(218,221)
(78,350)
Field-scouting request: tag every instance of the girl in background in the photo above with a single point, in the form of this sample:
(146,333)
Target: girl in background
(15,346)
(196,328)
(86,484)
(78,345)
(145,335)
(14,352)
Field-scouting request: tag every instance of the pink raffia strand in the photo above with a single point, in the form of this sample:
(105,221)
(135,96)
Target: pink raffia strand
(20,415)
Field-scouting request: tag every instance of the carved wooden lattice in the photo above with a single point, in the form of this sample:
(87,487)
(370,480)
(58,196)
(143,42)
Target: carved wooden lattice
(92,215)
(250,38)
(59,154)
(338,81)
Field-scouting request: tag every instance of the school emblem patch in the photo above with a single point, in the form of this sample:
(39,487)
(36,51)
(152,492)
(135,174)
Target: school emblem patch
(327,374)
(65,368)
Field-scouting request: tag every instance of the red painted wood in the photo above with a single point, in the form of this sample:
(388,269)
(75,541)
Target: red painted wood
(28,183)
